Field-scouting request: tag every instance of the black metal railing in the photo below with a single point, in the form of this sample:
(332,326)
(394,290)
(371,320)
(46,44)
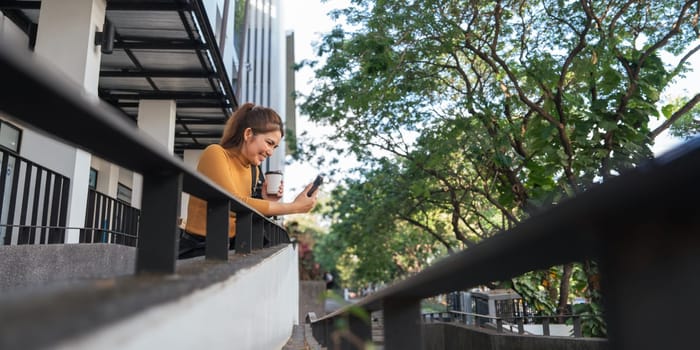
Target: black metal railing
(34,202)
(36,90)
(643,227)
(109,220)
(114,138)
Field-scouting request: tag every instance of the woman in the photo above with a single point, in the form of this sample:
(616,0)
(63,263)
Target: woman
(250,135)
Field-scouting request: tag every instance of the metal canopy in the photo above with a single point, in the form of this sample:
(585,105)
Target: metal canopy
(164,50)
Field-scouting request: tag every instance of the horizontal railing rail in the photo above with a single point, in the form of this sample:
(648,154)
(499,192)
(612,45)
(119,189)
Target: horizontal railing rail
(642,226)
(501,323)
(37,91)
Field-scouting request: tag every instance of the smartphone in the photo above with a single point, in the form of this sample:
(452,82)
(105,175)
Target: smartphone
(317,182)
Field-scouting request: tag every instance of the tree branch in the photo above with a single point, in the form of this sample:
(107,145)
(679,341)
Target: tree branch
(675,116)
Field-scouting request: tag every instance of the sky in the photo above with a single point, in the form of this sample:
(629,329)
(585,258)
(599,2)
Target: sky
(309,19)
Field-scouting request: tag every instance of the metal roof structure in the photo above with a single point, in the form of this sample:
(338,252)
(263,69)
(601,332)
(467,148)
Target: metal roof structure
(164,50)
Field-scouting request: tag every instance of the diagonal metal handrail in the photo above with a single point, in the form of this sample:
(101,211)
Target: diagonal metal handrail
(643,226)
(44,98)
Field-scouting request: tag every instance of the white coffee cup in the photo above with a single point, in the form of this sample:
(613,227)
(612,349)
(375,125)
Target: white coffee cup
(274,180)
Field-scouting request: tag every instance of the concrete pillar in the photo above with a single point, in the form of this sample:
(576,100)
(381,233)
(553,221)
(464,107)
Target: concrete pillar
(65,38)
(157,118)
(136,190)
(190,157)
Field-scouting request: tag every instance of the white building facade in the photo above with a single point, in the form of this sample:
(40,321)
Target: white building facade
(178,70)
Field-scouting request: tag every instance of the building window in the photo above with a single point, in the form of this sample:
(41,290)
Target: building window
(10,136)
(93,179)
(123,193)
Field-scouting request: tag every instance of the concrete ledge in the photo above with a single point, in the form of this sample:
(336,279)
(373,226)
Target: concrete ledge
(250,300)
(26,266)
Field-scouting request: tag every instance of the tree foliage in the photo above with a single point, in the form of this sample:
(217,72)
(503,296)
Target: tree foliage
(470,116)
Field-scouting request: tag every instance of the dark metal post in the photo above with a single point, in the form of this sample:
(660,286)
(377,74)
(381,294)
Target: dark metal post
(258,232)
(521,327)
(160,208)
(244,232)
(360,330)
(217,229)
(322,332)
(499,325)
(651,267)
(577,326)
(545,326)
(402,324)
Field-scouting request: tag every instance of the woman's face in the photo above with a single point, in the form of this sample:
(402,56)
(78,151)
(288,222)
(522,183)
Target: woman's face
(257,147)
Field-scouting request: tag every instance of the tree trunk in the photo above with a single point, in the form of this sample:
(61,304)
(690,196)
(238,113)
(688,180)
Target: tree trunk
(564,290)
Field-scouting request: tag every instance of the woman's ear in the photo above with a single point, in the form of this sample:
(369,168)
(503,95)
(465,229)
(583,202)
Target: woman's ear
(247,134)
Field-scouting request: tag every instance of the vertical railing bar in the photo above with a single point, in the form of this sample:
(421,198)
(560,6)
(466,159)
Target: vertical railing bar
(129,217)
(99,208)
(97,218)
(278,234)
(126,224)
(327,330)
(118,222)
(45,210)
(217,242)
(577,326)
(106,217)
(521,326)
(121,223)
(23,234)
(135,221)
(63,214)
(55,208)
(274,233)
(402,326)
(3,179)
(258,233)
(35,206)
(545,326)
(360,328)
(114,220)
(13,201)
(244,232)
(158,232)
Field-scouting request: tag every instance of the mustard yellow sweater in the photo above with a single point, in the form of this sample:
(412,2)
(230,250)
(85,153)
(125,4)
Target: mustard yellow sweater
(228,169)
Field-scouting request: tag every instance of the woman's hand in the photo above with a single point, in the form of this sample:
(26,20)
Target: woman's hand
(303,202)
(275,197)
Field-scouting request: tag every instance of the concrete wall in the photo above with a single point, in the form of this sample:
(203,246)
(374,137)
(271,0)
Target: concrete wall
(255,308)
(312,297)
(439,336)
(29,266)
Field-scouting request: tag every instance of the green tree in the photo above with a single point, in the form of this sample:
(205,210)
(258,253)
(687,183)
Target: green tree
(487,112)
(374,234)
